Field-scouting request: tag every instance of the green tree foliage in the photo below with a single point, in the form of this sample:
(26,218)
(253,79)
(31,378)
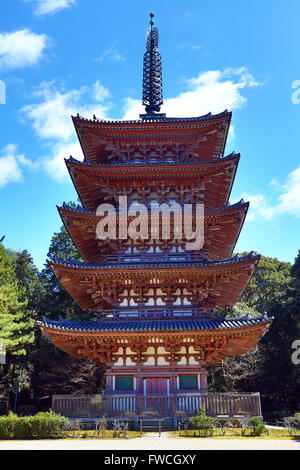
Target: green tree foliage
(268,285)
(274,289)
(26,273)
(295,272)
(280,380)
(51,370)
(56,301)
(16,325)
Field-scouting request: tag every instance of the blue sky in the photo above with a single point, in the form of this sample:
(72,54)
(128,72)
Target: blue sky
(60,57)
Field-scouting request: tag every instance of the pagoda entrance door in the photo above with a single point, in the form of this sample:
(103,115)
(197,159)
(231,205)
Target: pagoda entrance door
(156,399)
(156,386)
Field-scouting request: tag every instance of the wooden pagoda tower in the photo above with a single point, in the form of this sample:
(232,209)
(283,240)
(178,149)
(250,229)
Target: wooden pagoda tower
(153,302)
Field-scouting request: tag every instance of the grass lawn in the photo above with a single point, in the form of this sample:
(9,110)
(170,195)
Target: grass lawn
(107,434)
(236,433)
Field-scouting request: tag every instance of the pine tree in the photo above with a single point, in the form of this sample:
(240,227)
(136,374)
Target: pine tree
(16,326)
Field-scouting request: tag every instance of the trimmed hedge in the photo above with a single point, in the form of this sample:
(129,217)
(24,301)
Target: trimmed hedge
(41,426)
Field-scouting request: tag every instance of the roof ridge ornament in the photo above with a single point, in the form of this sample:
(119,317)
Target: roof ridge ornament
(152,75)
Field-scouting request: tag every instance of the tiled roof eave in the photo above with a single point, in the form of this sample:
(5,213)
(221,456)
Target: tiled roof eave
(114,166)
(205,117)
(127,326)
(81,210)
(252,256)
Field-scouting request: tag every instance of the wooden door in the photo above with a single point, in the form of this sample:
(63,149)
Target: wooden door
(155,396)
(156,386)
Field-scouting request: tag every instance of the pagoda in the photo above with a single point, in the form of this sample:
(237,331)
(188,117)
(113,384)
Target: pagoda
(153,303)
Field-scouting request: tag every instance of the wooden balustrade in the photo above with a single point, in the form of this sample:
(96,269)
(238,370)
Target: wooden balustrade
(97,406)
(186,256)
(162,312)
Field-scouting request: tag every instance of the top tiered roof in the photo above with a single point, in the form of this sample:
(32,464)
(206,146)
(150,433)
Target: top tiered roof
(204,137)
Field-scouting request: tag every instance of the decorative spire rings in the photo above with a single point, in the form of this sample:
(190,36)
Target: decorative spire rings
(152,74)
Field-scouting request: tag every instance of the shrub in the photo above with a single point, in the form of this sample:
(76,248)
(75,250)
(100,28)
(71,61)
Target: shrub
(49,424)
(4,428)
(258,428)
(40,426)
(254,421)
(202,422)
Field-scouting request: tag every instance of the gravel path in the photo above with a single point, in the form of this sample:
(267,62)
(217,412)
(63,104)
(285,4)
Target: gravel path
(152,441)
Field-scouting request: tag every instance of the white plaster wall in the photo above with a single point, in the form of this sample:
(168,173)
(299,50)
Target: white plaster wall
(129,362)
(150,362)
(119,362)
(182,361)
(128,351)
(192,361)
(162,362)
(150,350)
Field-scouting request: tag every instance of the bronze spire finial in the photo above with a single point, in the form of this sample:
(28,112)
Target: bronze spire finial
(152,74)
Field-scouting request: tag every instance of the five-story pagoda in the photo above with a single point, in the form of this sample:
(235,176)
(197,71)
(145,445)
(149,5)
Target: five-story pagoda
(154,301)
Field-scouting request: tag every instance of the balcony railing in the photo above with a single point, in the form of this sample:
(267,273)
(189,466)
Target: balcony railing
(156,312)
(180,405)
(187,256)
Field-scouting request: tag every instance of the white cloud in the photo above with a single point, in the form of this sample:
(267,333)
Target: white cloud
(111,53)
(288,202)
(100,92)
(45,7)
(51,116)
(54,163)
(193,47)
(211,91)
(21,48)
(51,120)
(259,206)
(10,165)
